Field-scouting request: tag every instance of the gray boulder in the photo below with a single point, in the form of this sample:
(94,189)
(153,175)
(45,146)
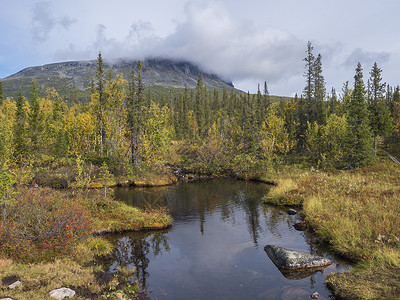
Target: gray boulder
(61,293)
(290,260)
(15,284)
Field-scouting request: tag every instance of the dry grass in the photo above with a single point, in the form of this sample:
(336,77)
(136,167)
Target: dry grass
(358,213)
(282,193)
(39,279)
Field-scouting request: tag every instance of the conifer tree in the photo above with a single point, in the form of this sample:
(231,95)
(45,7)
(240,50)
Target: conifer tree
(101,110)
(136,109)
(200,107)
(1,92)
(358,146)
(19,129)
(132,115)
(224,103)
(318,110)
(333,103)
(92,87)
(267,100)
(308,92)
(380,121)
(396,95)
(34,118)
(301,122)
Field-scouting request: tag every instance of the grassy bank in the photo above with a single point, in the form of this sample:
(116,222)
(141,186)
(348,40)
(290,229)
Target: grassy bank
(49,239)
(358,213)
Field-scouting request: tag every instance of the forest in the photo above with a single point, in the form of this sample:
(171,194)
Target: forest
(125,127)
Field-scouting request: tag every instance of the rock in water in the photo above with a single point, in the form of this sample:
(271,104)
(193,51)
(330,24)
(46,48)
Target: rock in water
(292,211)
(62,293)
(314,295)
(288,260)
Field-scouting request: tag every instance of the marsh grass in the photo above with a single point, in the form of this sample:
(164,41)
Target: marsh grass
(115,216)
(358,213)
(283,193)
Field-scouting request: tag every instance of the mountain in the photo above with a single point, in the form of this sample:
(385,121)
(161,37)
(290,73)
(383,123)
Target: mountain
(65,76)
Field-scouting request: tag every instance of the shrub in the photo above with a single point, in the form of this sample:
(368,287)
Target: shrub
(42,224)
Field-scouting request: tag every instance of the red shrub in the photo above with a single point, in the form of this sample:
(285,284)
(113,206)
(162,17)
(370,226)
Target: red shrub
(43,224)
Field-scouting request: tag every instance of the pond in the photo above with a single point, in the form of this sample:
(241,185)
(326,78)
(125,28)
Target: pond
(215,248)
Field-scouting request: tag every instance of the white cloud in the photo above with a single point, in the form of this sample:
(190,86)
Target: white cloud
(44,21)
(365,58)
(210,37)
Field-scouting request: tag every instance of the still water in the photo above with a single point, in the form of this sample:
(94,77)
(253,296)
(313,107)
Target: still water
(215,248)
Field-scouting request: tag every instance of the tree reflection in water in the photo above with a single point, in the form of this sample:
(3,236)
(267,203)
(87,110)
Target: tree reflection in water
(132,251)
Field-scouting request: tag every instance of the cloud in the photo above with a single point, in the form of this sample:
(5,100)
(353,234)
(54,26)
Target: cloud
(365,58)
(43,21)
(236,50)
(211,38)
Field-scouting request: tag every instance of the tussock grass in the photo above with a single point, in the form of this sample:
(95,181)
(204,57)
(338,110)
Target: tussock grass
(115,216)
(358,213)
(283,193)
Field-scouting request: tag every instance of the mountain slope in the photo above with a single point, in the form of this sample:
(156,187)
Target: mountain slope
(66,75)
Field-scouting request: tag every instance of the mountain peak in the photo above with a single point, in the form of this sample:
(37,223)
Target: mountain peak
(156,72)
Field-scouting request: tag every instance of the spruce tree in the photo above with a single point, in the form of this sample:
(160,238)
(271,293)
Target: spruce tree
(34,117)
(19,129)
(333,103)
(267,100)
(200,107)
(136,113)
(308,92)
(101,110)
(359,144)
(380,120)
(318,109)
(131,117)
(1,93)
(396,95)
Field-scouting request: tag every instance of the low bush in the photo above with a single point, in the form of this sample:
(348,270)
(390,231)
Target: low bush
(43,224)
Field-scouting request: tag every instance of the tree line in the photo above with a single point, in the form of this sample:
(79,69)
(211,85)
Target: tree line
(126,126)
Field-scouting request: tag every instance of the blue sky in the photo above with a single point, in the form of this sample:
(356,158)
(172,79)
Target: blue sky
(248,42)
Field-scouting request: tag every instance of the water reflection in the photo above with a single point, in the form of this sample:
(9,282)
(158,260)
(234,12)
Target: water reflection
(195,200)
(213,249)
(132,250)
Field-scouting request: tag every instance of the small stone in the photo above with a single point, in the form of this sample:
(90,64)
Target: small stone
(62,293)
(301,226)
(119,296)
(6,299)
(15,284)
(292,211)
(314,295)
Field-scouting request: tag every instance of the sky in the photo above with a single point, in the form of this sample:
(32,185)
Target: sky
(248,42)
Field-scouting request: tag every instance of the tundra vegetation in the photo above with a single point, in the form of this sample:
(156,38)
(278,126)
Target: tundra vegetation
(323,150)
